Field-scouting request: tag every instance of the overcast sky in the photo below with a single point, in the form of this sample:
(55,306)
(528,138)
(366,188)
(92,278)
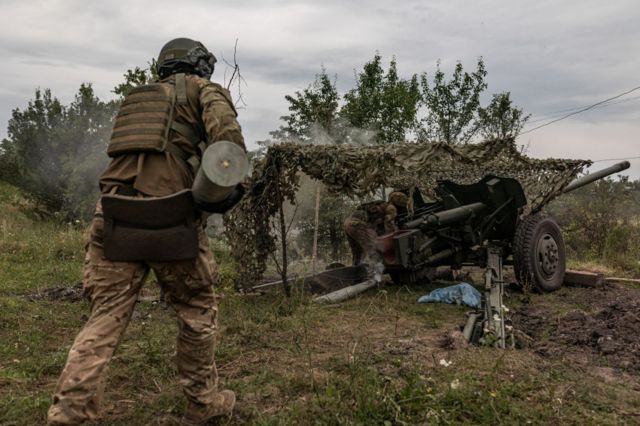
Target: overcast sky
(552,56)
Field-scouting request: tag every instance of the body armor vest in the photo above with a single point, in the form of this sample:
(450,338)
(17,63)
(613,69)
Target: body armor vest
(146,117)
(144,120)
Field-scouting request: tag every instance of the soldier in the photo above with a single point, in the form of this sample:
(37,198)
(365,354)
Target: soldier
(159,135)
(367,222)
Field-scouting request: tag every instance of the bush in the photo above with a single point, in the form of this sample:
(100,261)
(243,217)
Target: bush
(622,248)
(227,269)
(600,222)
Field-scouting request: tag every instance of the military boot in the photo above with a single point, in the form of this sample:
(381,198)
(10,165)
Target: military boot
(58,417)
(200,415)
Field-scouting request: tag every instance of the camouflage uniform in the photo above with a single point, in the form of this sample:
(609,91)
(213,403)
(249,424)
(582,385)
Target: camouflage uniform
(363,227)
(369,221)
(114,286)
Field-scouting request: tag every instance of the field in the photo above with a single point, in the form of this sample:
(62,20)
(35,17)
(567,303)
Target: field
(381,358)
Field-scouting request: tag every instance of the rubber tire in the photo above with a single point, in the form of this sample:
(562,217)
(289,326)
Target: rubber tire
(526,264)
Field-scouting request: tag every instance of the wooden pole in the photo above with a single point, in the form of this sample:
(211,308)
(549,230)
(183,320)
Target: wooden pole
(622,280)
(283,237)
(314,252)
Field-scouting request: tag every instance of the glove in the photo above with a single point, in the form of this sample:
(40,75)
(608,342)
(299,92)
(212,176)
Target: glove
(225,205)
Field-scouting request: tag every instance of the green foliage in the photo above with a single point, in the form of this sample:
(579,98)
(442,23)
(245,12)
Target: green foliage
(382,103)
(622,248)
(227,268)
(87,128)
(137,77)
(313,109)
(29,145)
(57,151)
(500,119)
(452,106)
(386,108)
(600,221)
(8,163)
(314,118)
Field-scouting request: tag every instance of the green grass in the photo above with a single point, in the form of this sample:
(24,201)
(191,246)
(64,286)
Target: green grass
(35,254)
(371,360)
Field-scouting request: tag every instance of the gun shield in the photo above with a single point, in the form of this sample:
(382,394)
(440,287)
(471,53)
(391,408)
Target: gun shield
(224,165)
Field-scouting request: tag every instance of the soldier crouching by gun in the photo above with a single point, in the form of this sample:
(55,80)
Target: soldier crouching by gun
(149,219)
(365,224)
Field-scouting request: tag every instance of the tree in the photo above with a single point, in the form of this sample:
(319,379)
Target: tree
(501,120)
(89,121)
(314,118)
(382,103)
(452,105)
(56,152)
(33,150)
(137,77)
(312,111)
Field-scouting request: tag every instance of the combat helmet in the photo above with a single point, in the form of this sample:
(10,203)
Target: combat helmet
(399,199)
(185,55)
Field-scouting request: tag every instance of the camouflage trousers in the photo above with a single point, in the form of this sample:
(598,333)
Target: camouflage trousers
(362,239)
(113,288)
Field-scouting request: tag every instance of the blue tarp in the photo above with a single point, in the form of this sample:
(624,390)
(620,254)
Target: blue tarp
(460,294)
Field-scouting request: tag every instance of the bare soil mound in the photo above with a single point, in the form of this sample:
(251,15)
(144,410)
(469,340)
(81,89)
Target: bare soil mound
(606,331)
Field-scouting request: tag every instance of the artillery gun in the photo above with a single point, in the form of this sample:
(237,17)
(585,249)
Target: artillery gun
(483,225)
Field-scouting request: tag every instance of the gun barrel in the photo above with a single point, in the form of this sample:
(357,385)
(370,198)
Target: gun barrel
(447,217)
(592,177)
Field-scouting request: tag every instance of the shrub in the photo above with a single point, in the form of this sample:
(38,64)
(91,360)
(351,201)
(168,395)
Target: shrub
(622,247)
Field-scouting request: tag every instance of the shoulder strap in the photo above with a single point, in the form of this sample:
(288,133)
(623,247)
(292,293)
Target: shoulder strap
(187,131)
(181,89)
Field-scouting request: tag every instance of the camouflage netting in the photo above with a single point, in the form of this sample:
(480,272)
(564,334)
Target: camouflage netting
(357,170)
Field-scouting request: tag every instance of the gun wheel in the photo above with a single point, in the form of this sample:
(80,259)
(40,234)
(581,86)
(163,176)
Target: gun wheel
(539,253)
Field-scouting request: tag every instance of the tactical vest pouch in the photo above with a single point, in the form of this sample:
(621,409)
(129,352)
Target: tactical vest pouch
(150,229)
(144,120)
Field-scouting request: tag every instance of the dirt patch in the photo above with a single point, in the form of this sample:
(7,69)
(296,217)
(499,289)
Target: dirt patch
(73,293)
(605,332)
(453,340)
